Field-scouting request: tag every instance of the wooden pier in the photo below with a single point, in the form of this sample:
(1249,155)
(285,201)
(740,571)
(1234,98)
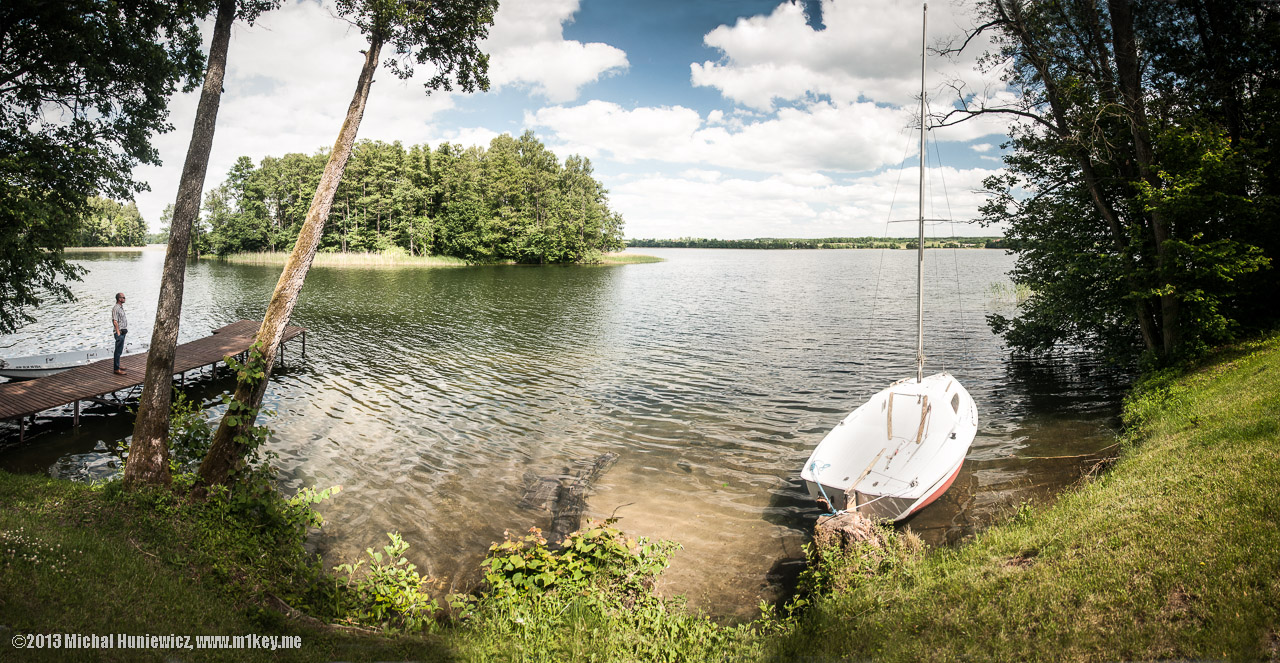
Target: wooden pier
(19,400)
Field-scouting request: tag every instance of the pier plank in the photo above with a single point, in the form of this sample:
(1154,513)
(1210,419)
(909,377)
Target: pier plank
(28,397)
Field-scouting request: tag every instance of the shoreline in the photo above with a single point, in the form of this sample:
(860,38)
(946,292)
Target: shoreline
(399,260)
(1167,551)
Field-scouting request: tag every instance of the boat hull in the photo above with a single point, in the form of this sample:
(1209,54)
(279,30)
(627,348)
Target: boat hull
(897,453)
(40,366)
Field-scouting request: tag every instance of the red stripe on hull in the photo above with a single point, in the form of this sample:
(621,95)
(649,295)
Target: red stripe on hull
(938,493)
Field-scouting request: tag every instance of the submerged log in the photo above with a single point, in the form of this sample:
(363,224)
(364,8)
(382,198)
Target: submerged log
(540,492)
(565,495)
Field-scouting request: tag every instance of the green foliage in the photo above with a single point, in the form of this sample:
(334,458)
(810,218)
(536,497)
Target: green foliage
(514,201)
(390,592)
(1139,230)
(109,223)
(446,35)
(598,556)
(591,599)
(833,568)
(86,85)
(251,372)
(190,434)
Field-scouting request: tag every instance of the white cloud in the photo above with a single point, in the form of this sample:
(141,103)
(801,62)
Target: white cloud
(864,51)
(290,78)
(289,81)
(702,175)
(982,147)
(664,206)
(467,137)
(527,48)
(822,136)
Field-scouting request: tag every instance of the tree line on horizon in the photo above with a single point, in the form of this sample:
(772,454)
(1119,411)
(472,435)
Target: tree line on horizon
(512,201)
(822,243)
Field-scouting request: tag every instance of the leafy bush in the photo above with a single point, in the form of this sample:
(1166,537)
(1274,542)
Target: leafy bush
(590,599)
(598,556)
(390,591)
(190,434)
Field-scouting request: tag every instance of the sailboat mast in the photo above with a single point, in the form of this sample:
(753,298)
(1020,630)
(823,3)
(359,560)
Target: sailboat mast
(920,241)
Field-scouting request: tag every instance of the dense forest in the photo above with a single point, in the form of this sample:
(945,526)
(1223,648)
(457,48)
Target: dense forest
(822,243)
(513,201)
(1148,134)
(110,223)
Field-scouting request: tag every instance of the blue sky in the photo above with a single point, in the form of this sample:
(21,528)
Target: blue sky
(714,118)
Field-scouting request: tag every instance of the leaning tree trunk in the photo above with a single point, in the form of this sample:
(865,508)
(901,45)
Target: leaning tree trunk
(229,442)
(149,452)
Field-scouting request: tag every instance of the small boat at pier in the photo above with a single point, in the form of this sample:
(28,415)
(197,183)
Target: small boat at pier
(39,366)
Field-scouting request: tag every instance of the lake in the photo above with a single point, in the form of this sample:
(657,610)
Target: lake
(435,396)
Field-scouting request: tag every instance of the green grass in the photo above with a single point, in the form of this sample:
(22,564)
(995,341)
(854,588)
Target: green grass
(75,559)
(373,259)
(627,259)
(1174,553)
(95,560)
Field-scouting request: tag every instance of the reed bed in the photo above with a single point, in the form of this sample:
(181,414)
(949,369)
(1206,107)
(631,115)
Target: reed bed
(627,259)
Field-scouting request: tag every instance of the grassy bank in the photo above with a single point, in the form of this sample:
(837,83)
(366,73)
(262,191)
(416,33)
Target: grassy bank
(1174,553)
(75,559)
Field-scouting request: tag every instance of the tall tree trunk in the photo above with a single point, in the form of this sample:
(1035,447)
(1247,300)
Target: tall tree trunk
(1142,309)
(226,451)
(148,462)
(1130,77)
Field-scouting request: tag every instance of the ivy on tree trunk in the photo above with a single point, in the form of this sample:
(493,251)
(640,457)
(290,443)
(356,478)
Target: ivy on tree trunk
(149,453)
(228,448)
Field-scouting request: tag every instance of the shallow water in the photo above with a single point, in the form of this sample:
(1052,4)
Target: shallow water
(434,396)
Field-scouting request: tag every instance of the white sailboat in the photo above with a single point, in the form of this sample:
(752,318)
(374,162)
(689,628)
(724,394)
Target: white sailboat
(903,448)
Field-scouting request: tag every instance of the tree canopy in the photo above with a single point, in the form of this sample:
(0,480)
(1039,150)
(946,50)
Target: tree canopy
(514,200)
(1142,184)
(110,223)
(83,87)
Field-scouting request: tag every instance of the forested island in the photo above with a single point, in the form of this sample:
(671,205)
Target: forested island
(514,201)
(823,243)
(110,223)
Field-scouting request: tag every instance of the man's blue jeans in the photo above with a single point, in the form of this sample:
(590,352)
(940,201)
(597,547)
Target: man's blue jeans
(120,346)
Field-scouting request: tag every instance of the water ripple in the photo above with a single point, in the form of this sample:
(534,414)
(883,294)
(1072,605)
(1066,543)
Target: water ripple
(431,395)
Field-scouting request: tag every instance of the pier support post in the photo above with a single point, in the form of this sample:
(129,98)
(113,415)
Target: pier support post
(75,414)
(304,345)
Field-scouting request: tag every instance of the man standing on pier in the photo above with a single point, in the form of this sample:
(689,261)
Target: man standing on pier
(121,326)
